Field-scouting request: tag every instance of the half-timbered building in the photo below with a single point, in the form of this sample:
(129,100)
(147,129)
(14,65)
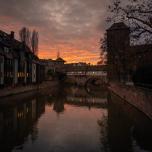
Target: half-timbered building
(18,65)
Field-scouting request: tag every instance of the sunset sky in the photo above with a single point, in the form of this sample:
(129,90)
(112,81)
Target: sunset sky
(73,27)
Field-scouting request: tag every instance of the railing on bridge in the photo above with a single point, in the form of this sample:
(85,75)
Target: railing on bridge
(88,73)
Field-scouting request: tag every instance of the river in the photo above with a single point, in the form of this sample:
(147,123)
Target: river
(72,119)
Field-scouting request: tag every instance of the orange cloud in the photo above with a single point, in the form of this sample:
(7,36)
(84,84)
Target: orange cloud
(79,50)
(71,56)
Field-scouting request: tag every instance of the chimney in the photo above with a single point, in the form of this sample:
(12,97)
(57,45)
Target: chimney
(12,34)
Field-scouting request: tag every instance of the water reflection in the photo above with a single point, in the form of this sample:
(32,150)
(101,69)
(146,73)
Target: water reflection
(69,119)
(18,122)
(128,129)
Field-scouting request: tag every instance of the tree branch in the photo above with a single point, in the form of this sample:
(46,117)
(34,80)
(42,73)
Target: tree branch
(140,20)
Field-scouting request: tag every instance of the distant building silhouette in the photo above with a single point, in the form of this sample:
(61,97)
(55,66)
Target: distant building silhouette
(54,65)
(125,60)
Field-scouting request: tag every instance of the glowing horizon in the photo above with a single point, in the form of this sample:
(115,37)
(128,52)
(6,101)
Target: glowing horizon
(72,27)
(71,59)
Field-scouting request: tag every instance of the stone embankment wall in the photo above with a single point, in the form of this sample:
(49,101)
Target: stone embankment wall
(23,89)
(138,97)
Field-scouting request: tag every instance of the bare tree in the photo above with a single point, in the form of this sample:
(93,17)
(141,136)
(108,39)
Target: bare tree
(34,42)
(103,49)
(103,42)
(25,36)
(136,13)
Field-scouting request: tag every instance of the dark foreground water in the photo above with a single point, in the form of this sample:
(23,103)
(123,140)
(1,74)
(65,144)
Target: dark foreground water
(71,119)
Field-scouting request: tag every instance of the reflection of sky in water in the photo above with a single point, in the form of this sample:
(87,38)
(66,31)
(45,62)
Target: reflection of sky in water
(56,124)
(74,130)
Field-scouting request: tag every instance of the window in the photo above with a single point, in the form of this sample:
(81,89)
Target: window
(6,50)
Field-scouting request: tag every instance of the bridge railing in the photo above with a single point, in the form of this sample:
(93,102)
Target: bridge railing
(89,73)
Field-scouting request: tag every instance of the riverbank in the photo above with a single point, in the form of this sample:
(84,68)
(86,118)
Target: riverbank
(24,89)
(139,98)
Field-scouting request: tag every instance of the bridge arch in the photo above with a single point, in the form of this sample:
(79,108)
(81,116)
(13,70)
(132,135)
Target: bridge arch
(95,81)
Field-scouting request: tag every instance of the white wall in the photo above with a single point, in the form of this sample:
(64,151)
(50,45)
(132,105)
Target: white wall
(25,72)
(1,70)
(15,71)
(33,72)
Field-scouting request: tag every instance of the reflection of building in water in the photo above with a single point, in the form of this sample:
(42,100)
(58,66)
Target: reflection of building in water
(79,96)
(128,129)
(76,96)
(16,123)
(58,107)
(86,101)
(58,99)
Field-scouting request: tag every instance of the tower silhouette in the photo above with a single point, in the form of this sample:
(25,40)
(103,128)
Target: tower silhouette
(118,43)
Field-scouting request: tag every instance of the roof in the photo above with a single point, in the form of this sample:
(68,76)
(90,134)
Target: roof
(15,46)
(60,60)
(118,26)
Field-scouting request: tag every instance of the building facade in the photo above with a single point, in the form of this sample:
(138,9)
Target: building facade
(18,65)
(57,65)
(124,60)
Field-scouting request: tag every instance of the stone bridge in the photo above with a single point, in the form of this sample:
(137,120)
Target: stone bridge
(83,78)
(82,74)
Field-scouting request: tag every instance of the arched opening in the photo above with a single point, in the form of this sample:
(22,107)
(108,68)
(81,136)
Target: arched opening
(92,81)
(95,83)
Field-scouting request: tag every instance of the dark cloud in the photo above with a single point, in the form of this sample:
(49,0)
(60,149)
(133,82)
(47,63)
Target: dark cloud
(68,22)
